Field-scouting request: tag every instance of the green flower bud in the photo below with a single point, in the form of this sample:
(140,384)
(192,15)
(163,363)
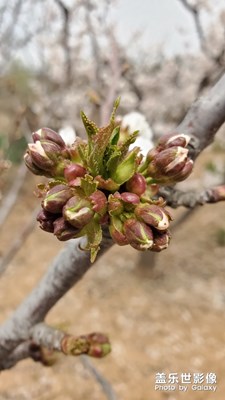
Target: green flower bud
(153,215)
(99,202)
(63,230)
(136,184)
(116,231)
(138,234)
(78,211)
(56,198)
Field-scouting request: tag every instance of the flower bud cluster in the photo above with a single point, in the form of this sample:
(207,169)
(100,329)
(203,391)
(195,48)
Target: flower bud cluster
(102,181)
(141,224)
(169,163)
(66,210)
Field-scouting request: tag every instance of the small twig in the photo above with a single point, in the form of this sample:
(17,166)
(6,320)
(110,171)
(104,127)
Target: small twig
(104,383)
(10,199)
(17,243)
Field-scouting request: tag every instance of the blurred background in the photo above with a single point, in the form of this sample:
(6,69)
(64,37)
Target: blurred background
(163,314)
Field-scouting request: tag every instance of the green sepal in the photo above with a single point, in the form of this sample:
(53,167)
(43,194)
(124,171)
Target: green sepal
(88,185)
(93,231)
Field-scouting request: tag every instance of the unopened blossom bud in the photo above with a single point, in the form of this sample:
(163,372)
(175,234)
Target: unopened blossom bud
(78,211)
(130,198)
(116,231)
(136,184)
(115,204)
(173,139)
(31,166)
(138,234)
(46,220)
(39,156)
(56,198)
(185,172)
(52,149)
(74,171)
(161,241)
(168,162)
(98,202)
(50,135)
(153,215)
(63,230)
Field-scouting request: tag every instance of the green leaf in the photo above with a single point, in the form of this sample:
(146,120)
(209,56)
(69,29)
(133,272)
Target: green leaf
(124,147)
(115,136)
(115,106)
(126,169)
(89,125)
(101,141)
(83,152)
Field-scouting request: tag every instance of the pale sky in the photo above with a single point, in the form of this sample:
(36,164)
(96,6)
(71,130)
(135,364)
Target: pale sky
(163,22)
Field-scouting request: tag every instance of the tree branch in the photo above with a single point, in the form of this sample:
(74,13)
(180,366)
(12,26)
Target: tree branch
(66,270)
(204,118)
(176,198)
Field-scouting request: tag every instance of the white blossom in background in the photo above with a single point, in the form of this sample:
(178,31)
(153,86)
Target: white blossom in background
(136,121)
(68,134)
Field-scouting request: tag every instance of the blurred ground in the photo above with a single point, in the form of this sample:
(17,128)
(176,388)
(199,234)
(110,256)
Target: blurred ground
(167,319)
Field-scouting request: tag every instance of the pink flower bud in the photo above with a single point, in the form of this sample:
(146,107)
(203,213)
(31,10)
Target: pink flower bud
(99,202)
(63,230)
(173,139)
(130,198)
(56,198)
(78,211)
(48,134)
(31,166)
(74,171)
(153,215)
(138,234)
(161,241)
(46,220)
(136,184)
(39,157)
